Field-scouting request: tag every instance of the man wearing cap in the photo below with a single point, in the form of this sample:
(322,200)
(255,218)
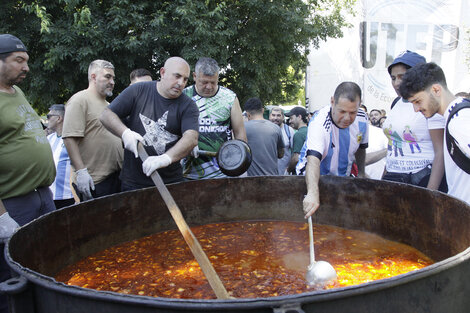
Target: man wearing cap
(96,154)
(298,121)
(27,167)
(415,152)
(337,136)
(61,187)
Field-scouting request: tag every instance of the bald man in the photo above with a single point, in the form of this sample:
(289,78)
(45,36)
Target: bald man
(159,116)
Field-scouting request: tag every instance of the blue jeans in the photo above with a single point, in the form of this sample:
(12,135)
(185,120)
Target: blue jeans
(24,209)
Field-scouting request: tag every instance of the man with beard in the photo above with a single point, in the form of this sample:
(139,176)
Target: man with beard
(337,136)
(298,120)
(95,153)
(276,115)
(26,167)
(159,116)
(374,117)
(425,87)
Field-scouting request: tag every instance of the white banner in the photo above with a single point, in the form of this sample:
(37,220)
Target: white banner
(382,29)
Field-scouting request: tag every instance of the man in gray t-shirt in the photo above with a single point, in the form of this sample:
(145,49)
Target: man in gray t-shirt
(264,138)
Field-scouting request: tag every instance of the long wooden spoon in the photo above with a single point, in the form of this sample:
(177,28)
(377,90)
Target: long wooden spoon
(191,240)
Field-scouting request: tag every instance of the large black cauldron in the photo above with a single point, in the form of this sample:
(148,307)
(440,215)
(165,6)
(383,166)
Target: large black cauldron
(434,223)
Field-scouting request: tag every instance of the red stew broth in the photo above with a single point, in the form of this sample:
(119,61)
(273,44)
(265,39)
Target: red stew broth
(253,259)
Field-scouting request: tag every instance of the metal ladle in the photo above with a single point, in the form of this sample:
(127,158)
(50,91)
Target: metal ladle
(319,273)
(233,157)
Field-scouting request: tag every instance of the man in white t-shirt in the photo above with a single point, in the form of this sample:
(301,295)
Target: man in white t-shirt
(425,86)
(337,136)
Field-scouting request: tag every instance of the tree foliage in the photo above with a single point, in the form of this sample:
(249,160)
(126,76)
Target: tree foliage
(261,45)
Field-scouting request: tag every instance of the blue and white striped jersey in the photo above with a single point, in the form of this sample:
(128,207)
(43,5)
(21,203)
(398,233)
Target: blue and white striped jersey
(335,147)
(61,186)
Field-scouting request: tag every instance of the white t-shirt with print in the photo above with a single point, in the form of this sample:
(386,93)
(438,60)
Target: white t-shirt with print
(458,180)
(410,146)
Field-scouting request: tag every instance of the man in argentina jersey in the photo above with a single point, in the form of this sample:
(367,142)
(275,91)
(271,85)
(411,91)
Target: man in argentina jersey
(337,136)
(61,186)
(219,115)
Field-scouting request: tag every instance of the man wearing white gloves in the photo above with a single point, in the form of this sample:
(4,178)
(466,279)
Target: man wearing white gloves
(95,153)
(159,116)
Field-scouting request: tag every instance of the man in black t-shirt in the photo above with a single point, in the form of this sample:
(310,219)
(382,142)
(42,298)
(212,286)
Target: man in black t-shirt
(159,116)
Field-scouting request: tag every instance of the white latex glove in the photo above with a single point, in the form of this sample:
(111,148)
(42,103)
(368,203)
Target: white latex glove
(153,163)
(84,183)
(7,226)
(195,152)
(130,139)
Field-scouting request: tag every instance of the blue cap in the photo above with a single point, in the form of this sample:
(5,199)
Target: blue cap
(9,43)
(407,57)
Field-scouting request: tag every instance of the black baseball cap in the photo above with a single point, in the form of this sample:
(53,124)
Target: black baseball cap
(297,111)
(9,43)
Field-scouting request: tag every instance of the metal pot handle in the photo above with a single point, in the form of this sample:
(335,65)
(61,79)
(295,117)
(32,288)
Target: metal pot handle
(289,308)
(14,285)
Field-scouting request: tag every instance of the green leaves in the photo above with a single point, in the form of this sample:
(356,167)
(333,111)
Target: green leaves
(41,13)
(261,45)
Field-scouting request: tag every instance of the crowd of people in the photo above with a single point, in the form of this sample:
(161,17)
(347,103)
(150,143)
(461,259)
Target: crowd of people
(92,147)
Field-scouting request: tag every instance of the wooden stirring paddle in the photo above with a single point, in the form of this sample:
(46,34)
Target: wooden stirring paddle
(191,240)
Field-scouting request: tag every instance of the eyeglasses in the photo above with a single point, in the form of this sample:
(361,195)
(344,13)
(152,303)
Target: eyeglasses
(50,115)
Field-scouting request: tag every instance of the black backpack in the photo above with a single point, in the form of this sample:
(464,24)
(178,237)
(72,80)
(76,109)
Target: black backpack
(456,154)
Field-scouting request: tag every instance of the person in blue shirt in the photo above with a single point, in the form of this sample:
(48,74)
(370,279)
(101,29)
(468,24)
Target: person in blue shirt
(60,188)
